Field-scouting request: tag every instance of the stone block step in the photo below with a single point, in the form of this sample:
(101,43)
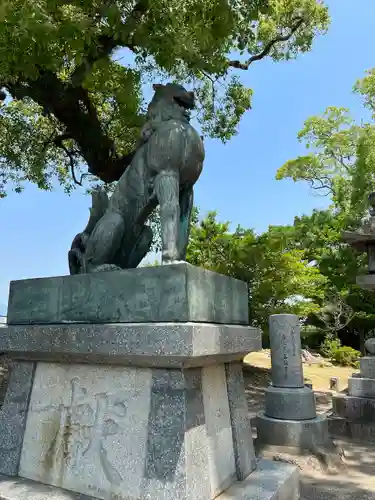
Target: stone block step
(361,387)
(358,431)
(367,364)
(355,409)
(270,481)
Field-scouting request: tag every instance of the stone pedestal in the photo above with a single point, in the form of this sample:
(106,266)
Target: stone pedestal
(135,393)
(354,413)
(289,418)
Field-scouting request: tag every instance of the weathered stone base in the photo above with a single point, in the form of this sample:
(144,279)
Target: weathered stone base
(304,435)
(283,438)
(13,415)
(290,404)
(138,433)
(367,364)
(174,345)
(342,427)
(129,411)
(361,387)
(175,293)
(355,409)
(353,417)
(270,481)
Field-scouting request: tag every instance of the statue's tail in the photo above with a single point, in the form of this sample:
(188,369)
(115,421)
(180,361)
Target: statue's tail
(98,207)
(186,207)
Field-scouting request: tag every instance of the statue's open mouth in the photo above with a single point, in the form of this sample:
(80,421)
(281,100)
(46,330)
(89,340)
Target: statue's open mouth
(186,106)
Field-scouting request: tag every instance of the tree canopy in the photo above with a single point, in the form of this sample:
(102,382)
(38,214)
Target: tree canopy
(69,103)
(340,163)
(340,154)
(279,278)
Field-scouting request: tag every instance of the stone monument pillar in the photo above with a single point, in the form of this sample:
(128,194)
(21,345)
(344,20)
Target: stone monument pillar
(354,413)
(128,385)
(290,416)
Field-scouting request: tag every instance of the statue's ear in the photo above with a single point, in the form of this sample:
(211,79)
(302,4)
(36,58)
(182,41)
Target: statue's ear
(157,86)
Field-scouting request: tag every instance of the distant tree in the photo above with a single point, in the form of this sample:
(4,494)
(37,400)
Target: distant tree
(336,314)
(340,155)
(279,279)
(339,163)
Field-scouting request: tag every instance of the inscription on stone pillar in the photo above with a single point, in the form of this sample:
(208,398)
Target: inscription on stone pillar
(285,343)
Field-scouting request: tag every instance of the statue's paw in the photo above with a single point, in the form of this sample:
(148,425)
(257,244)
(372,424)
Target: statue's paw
(104,268)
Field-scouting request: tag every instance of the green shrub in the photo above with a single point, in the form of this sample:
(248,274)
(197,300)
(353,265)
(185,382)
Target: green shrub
(346,356)
(329,346)
(312,337)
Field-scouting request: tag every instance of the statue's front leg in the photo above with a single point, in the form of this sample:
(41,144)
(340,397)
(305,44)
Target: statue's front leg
(167,186)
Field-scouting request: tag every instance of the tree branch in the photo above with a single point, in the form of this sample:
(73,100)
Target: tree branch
(340,160)
(323,183)
(70,155)
(213,90)
(72,107)
(268,47)
(341,314)
(105,44)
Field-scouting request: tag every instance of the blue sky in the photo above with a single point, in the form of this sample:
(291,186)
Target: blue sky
(238,178)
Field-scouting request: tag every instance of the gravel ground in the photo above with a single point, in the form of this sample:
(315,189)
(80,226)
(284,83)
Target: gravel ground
(355,481)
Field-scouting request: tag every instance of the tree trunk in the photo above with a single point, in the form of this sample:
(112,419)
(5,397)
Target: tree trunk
(74,110)
(362,339)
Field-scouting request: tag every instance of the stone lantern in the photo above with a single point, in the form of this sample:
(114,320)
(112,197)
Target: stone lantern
(354,413)
(363,240)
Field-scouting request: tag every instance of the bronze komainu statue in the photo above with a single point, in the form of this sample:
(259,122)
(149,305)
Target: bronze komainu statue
(165,166)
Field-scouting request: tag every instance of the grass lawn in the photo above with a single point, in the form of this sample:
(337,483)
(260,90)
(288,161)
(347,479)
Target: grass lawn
(317,375)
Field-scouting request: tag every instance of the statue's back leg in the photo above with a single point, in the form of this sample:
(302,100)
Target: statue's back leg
(186,207)
(104,241)
(141,247)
